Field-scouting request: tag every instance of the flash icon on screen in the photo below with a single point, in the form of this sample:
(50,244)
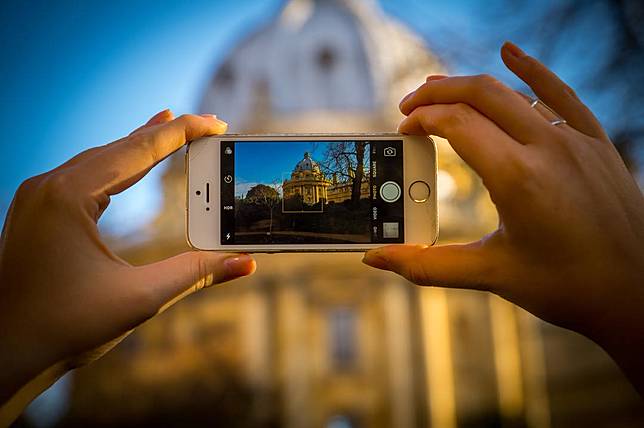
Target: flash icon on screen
(228,236)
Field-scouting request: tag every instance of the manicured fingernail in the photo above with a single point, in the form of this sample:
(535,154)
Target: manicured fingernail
(435,77)
(402,125)
(160,115)
(208,115)
(240,265)
(514,50)
(406,97)
(373,258)
(219,121)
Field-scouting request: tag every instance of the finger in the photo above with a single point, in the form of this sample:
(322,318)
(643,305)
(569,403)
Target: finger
(159,118)
(166,282)
(458,265)
(429,79)
(491,98)
(552,90)
(545,110)
(480,142)
(122,165)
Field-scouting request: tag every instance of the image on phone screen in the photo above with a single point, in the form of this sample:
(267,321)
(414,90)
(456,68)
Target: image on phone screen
(311,192)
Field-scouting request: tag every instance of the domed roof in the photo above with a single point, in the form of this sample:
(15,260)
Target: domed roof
(307,164)
(354,63)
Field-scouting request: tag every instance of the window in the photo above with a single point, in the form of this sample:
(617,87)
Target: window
(342,338)
(326,58)
(341,421)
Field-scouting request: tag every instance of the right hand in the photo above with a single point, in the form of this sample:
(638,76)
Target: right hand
(570,244)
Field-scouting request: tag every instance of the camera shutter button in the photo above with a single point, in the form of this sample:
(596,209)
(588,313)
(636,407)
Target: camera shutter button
(390,191)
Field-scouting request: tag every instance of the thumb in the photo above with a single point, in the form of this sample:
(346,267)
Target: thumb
(458,265)
(168,281)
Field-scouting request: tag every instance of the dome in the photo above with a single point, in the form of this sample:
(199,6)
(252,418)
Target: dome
(307,164)
(319,65)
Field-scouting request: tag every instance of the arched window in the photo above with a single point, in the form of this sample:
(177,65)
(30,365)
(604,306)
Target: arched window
(326,58)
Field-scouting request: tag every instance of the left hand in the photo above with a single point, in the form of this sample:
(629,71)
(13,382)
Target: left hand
(65,298)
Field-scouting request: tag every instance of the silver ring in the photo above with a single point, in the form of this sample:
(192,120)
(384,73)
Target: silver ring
(555,122)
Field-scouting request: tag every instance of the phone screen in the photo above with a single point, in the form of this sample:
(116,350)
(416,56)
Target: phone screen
(312,192)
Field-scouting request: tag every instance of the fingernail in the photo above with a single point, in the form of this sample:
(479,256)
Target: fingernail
(514,50)
(401,126)
(240,265)
(432,77)
(406,97)
(160,115)
(214,117)
(373,258)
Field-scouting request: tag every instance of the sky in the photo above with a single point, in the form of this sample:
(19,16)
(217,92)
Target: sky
(81,74)
(252,165)
(77,74)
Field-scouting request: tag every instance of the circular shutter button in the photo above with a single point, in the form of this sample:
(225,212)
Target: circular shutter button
(390,191)
(419,191)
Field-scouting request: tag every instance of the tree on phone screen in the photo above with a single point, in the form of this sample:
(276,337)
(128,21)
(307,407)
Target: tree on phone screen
(346,160)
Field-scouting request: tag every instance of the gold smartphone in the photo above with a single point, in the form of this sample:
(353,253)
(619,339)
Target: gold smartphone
(317,192)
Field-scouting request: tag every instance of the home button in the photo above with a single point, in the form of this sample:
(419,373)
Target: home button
(419,191)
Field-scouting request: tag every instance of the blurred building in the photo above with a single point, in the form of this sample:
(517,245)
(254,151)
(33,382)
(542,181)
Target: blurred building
(321,340)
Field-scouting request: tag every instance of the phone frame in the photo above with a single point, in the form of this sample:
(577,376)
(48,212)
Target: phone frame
(203,226)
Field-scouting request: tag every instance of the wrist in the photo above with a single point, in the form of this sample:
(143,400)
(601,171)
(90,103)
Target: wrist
(24,359)
(14,405)
(619,328)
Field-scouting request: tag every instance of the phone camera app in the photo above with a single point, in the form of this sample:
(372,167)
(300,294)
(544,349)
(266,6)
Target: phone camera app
(312,192)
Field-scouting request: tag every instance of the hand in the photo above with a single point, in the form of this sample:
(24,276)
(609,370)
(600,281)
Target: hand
(65,298)
(570,243)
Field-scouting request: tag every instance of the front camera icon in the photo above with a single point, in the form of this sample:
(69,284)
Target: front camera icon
(389,152)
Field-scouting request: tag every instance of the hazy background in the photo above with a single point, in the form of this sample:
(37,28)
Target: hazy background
(76,74)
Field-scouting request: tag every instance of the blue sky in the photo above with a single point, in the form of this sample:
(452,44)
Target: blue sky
(262,163)
(80,74)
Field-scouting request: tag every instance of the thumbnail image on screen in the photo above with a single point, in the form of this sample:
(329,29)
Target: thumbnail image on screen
(309,192)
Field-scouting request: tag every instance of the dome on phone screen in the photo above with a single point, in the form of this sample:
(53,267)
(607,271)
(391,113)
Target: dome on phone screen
(307,164)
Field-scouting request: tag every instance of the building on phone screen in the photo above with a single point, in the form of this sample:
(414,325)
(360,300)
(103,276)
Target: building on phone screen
(309,182)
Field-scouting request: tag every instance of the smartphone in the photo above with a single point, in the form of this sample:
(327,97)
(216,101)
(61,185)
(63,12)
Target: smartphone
(282,193)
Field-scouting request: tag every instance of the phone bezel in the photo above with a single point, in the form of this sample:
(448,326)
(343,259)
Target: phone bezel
(203,227)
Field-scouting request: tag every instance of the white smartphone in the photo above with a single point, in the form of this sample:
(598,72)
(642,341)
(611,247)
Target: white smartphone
(281,193)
